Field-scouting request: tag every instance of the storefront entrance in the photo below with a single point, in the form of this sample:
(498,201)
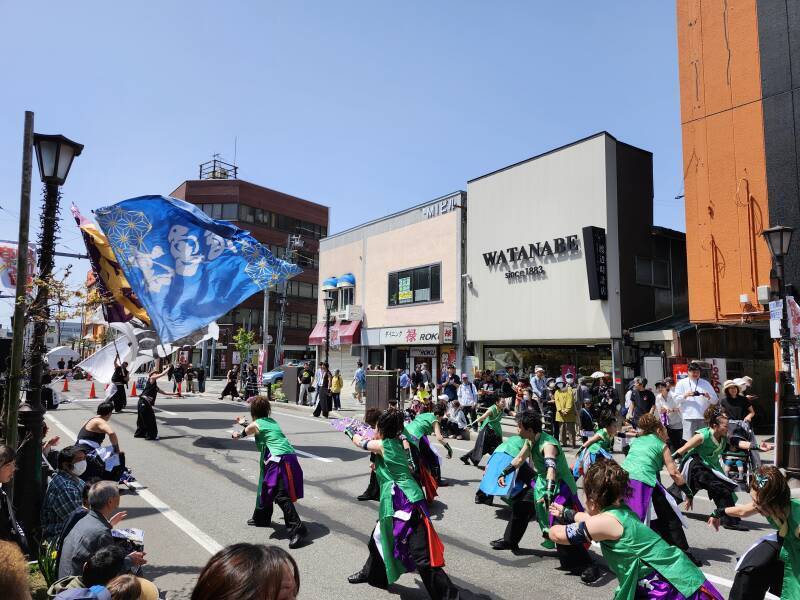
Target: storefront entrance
(556,360)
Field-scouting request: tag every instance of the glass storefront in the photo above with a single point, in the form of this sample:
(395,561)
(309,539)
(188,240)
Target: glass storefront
(555,359)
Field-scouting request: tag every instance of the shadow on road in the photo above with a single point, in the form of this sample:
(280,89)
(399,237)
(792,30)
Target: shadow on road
(316,531)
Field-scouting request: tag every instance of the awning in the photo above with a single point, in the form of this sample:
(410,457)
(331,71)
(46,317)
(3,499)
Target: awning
(347,332)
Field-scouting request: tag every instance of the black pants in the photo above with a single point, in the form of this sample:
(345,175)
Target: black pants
(336,397)
(435,580)
(119,398)
(323,403)
(471,414)
(146,425)
(263,514)
(230,388)
(675,438)
(574,558)
(556,428)
(201,385)
(426,455)
(452,428)
(373,491)
(485,443)
(761,571)
(667,524)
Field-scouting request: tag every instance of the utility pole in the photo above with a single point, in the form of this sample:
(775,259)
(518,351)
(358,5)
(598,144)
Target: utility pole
(293,242)
(17,345)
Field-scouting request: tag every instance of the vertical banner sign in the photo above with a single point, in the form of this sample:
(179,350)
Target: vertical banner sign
(261,358)
(8,267)
(719,373)
(595,251)
(568,369)
(794,317)
(775,316)
(446,335)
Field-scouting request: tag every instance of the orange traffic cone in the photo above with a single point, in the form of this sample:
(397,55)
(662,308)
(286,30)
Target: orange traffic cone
(92,395)
(133,390)
(66,385)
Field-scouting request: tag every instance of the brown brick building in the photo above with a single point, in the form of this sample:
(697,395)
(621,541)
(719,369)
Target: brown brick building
(271,217)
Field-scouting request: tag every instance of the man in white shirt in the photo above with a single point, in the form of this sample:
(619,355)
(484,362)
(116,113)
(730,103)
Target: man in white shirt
(694,396)
(468,398)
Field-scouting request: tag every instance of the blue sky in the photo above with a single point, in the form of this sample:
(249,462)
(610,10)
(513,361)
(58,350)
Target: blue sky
(365,106)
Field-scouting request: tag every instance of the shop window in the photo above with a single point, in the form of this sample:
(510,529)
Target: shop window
(644,271)
(229,212)
(346,296)
(413,286)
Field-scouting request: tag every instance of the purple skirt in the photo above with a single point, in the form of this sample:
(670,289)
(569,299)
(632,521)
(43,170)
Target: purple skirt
(653,587)
(286,470)
(402,530)
(639,499)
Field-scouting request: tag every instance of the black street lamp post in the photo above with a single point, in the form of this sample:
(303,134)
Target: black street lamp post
(54,154)
(778,239)
(328,306)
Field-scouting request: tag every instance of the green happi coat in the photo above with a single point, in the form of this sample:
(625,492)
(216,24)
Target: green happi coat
(269,438)
(606,442)
(422,425)
(790,551)
(640,551)
(710,450)
(563,474)
(645,459)
(391,469)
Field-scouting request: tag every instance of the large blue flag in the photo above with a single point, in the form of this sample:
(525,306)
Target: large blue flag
(186,268)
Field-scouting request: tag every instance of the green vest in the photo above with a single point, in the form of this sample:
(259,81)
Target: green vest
(270,437)
(645,459)
(710,450)
(606,442)
(563,472)
(392,469)
(420,426)
(493,420)
(640,551)
(511,446)
(790,553)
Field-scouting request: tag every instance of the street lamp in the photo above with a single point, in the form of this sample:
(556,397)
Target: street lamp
(328,306)
(54,155)
(778,239)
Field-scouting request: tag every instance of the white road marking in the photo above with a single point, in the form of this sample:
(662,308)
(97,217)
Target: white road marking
(203,539)
(155,408)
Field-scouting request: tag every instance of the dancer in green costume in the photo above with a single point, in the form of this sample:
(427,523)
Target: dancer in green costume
(553,482)
(645,565)
(760,571)
(404,539)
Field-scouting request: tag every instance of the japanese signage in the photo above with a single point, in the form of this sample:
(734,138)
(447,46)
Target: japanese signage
(794,317)
(775,316)
(262,357)
(680,371)
(404,293)
(446,333)
(594,242)
(719,373)
(409,336)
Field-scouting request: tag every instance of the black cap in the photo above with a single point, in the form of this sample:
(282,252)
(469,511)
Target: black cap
(694,366)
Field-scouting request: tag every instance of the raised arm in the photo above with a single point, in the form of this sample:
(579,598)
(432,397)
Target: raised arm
(374,446)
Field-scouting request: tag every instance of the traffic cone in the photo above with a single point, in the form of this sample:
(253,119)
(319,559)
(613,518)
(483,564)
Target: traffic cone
(179,390)
(133,390)
(92,395)
(66,385)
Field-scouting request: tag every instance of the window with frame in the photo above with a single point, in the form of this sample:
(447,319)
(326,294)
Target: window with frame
(346,297)
(415,286)
(653,272)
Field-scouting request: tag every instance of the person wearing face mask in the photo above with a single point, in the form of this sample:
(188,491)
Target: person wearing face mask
(93,531)
(64,492)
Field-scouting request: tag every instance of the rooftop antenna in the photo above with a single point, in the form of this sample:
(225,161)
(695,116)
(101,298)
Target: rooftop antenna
(235,140)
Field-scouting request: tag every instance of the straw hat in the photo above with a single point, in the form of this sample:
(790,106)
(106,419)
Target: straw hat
(729,384)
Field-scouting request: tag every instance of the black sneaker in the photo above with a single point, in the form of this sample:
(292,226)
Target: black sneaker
(591,574)
(366,496)
(465,459)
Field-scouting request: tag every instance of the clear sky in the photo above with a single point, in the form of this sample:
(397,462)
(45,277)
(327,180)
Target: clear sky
(366,106)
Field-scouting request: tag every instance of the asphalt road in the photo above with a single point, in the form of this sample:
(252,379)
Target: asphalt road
(197,489)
